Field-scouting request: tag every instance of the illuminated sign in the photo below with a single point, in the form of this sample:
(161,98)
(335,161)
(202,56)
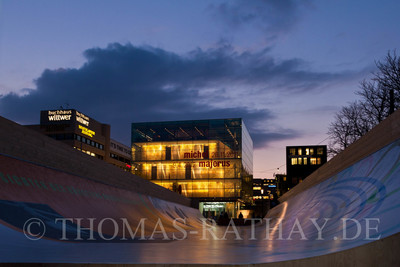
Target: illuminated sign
(195,155)
(222,154)
(82,118)
(86,131)
(199,155)
(214,163)
(59,115)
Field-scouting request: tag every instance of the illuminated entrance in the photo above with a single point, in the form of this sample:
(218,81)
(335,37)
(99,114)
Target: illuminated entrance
(216,209)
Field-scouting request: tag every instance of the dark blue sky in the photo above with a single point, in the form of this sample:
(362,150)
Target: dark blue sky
(284,66)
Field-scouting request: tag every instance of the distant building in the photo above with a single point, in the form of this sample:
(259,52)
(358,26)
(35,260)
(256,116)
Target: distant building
(263,188)
(282,184)
(301,161)
(209,161)
(120,155)
(85,134)
(264,196)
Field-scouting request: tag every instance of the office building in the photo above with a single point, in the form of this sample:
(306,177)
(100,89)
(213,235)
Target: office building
(85,134)
(264,193)
(263,188)
(301,161)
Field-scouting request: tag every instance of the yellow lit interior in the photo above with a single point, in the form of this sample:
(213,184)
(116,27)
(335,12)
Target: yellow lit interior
(185,168)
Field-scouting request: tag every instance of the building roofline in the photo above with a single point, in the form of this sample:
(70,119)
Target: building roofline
(187,120)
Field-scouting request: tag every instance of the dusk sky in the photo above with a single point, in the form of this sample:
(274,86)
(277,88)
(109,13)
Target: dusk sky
(284,66)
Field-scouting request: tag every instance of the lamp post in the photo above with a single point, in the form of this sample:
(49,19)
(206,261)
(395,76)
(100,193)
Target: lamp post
(262,203)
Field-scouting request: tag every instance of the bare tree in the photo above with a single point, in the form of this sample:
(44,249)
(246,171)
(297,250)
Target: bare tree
(380,96)
(388,77)
(375,100)
(350,123)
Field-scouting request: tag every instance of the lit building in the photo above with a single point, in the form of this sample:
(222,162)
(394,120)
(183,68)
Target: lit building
(264,191)
(210,161)
(85,134)
(263,188)
(301,161)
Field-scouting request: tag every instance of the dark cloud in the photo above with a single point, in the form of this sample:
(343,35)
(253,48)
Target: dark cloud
(272,17)
(121,84)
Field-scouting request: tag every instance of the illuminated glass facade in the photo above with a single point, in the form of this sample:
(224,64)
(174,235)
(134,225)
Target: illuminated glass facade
(210,160)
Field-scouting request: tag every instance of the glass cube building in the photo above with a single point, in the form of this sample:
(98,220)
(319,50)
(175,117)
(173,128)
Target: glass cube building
(207,160)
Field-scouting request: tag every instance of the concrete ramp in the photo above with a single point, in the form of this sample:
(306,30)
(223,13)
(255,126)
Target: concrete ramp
(32,191)
(350,218)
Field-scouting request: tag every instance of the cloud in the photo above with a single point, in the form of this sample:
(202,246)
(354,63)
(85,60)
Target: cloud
(272,17)
(121,84)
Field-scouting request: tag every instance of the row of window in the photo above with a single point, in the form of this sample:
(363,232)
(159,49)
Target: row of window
(304,161)
(90,153)
(89,142)
(260,197)
(207,169)
(177,152)
(72,136)
(204,189)
(305,151)
(119,158)
(120,148)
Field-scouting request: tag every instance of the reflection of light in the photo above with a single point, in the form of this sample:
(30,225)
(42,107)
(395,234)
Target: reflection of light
(280,219)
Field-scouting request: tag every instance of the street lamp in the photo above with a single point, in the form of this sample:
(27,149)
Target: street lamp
(262,203)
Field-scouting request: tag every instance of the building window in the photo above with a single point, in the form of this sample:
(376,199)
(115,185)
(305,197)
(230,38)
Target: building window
(188,171)
(320,151)
(319,161)
(313,161)
(311,151)
(168,153)
(305,161)
(292,151)
(154,172)
(299,151)
(294,161)
(206,152)
(299,161)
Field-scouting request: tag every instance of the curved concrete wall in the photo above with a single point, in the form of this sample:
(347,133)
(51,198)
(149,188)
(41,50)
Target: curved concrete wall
(26,144)
(32,191)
